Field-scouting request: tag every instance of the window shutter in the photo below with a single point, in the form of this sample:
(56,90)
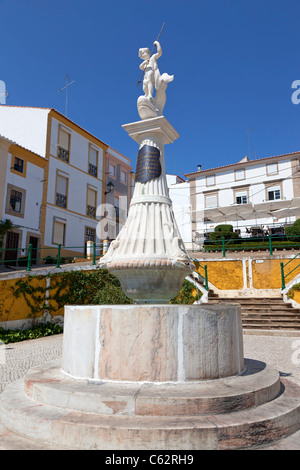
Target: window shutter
(61,185)
(64,139)
(91,198)
(58,232)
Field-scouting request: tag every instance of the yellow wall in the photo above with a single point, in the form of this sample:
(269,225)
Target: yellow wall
(267,275)
(16,308)
(225,275)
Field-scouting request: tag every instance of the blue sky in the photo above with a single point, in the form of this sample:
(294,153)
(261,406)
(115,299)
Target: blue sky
(234,63)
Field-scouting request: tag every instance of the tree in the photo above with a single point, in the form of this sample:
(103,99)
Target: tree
(5,226)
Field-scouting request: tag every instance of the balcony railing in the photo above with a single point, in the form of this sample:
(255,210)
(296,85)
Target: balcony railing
(92,170)
(91,211)
(63,154)
(61,200)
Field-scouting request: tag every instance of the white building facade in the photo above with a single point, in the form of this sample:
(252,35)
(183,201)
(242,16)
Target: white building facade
(179,192)
(256,197)
(74,182)
(21,190)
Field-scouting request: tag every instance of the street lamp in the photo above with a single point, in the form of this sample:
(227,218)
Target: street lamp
(110,186)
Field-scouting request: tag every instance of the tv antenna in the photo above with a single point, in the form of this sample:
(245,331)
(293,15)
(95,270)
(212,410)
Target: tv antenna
(248,132)
(66,88)
(140,80)
(3,92)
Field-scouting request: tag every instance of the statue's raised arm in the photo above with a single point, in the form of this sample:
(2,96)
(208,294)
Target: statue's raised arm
(159,49)
(148,106)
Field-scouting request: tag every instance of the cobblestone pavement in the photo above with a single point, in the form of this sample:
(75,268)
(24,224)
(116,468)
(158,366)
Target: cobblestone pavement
(282,352)
(17,358)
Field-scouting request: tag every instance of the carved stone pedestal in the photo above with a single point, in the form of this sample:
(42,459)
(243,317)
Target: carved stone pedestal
(148,256)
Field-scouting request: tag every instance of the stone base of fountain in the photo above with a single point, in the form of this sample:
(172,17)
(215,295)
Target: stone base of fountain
(165,377)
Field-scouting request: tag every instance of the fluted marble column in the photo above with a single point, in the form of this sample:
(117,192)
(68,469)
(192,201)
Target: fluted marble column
(148,256)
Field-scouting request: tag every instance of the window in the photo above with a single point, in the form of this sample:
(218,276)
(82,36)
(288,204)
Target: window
(15,201)
(117,206)
(274,193)
(240,174)
(59,229)
(272,169)
(241,198)
(89,235)
(91,203)
(210,180)
(19,165)
(63,145)
(211,201)
(61,191)
(123,176)
(93,161)
(112,170)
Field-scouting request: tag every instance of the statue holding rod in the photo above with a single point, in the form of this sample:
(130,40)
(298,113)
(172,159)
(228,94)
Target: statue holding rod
(149,106)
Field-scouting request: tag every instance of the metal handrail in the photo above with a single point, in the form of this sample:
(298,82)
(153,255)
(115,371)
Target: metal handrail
(205,277)
(284,276)
(57,258)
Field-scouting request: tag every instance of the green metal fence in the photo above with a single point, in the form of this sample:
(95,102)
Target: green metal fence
(53,256)
(268,243)
(203,273)
(284,274)
(29,256)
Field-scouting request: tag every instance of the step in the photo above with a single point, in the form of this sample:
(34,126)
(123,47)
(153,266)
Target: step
(258,384)
(270,316)
(249,301)
(258,300)
(242,429)
(270,310)
(269,326)
(10,440)
(13,441)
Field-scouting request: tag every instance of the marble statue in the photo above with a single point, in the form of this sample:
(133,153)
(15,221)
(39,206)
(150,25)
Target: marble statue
(149,106)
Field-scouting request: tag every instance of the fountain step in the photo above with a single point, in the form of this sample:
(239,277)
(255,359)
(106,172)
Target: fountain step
(258,384)
(61,427)
(10,440)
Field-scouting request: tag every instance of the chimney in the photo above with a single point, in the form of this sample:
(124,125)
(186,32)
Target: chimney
(199,167)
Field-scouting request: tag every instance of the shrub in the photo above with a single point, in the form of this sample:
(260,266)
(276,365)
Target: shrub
(22,261)
(293,230)
(223,230)
(14,336)
(291,292)
(49,260)
(187,294)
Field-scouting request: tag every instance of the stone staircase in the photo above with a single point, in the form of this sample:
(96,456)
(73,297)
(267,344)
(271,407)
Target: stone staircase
(263,313)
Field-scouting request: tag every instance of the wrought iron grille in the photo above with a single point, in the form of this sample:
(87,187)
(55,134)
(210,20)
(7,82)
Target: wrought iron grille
(92,169)
(61,200)
(90,234)
(63,154)
(91,211)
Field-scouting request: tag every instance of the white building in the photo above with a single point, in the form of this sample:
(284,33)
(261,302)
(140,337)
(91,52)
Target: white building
(74,183)
(21,191)
(118,193)
(179,191)
(255,196)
